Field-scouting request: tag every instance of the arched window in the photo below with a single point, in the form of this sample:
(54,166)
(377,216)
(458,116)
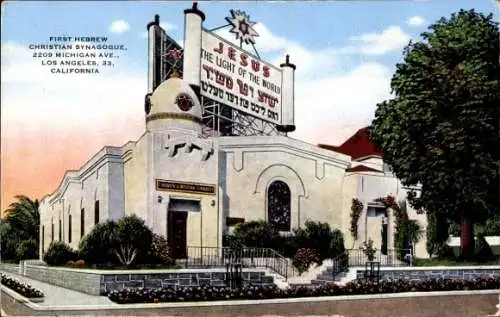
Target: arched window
(278,205)
(69,229)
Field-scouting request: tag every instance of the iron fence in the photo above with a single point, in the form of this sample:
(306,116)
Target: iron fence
(206,257)
(340,263)
(393,257)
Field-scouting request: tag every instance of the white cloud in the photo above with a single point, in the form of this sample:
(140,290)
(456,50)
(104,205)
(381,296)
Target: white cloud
(310,63)
(165,25)
(328,110)
(119,26)
(168,26)
(64,102)
(416,21)
(391,39)
(266,41)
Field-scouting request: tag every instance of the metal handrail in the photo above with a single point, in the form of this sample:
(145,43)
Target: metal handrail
(340,263)
(281,258)
(247,256)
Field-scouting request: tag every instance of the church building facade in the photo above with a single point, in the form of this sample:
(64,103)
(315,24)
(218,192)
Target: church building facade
(192,187)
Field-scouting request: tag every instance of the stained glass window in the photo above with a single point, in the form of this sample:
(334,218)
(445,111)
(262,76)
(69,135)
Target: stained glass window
(278,205)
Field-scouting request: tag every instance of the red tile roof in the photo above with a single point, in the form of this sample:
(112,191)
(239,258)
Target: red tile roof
(357,146)
(362,168)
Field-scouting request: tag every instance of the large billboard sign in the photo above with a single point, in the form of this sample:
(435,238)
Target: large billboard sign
(240,80)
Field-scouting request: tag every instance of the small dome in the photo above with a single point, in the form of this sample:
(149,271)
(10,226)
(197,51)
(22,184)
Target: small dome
(174,108)
(175,96)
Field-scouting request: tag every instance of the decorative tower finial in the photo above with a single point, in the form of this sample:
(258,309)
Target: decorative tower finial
(196,11)
(287,63)
(156,21)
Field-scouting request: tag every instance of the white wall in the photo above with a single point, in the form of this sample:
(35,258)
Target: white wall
(80,189)
(371,186)
(186,166)
(492,241)
(350,190)
(314,176)
(135,176)
(373,162)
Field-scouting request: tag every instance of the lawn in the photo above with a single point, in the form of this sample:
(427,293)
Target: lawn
(438,262)
(456,251)
(494,248)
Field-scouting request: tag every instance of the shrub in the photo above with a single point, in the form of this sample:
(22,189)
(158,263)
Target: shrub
(287,245)
(248,292)
(232,241)
(484,253)
(369,250)
(160,252)
(444,252)
(58,253)
(27,249)
(110,242)
(132,232)
(256,234)
(492,227)
(437,233)
(319,237)
(314,235)
(96,247)
(337,244)
(304,258)
(24,289)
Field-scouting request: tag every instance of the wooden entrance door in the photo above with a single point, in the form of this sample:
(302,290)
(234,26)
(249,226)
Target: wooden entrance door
(177,234)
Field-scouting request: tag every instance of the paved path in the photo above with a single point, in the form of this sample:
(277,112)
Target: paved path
(442,306)
(60,296)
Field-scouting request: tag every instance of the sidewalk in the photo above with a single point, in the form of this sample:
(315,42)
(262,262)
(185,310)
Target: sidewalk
(56,296)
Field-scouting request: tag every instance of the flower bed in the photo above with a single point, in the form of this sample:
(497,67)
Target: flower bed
(22,288)
(188,294)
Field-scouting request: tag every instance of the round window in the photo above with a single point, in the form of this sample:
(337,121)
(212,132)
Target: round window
(184,102)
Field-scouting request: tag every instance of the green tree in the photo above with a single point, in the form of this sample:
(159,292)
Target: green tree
(441,129)
(437,234)
(20,224)
(24,217)
(415,231)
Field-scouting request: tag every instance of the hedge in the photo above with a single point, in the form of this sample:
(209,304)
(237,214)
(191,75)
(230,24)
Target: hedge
(213,293)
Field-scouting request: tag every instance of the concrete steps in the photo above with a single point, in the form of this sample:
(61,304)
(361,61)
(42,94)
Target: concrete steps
(327,277)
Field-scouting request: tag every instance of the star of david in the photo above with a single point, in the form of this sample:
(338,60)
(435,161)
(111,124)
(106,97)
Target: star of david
(242,27)
(175,53)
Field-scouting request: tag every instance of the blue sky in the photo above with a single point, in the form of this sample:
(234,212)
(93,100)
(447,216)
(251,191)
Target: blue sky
(313,24)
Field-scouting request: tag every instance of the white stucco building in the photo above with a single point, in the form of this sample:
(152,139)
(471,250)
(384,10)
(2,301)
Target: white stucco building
(192,188)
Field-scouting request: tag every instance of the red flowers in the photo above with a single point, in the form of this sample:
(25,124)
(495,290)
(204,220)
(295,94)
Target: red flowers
(356,208)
